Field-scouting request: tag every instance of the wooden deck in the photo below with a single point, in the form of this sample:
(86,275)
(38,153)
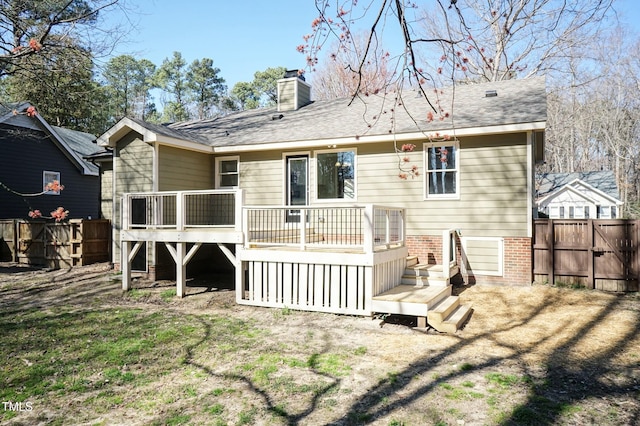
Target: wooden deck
(410,299)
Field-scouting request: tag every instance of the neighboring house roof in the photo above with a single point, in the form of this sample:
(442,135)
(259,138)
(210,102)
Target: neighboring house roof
(367,119)
(73,143)
(80,142)
(603,181)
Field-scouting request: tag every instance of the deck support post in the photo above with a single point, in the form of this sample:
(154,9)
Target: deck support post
(239,272)
(181,269)
(127,255)
(125,265)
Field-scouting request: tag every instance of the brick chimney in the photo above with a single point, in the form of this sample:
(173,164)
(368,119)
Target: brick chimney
(293,91)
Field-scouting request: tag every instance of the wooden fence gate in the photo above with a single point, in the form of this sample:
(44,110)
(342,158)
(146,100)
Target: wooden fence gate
(75,242)
(598,254)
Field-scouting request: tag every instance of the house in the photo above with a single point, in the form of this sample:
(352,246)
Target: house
(580,195)
(317,204)
(34,154)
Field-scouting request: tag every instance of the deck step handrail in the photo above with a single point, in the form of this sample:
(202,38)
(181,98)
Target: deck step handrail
(449,252)
(180,210)
(366,228)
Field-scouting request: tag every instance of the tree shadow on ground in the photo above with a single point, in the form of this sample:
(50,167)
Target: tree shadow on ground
(552,394)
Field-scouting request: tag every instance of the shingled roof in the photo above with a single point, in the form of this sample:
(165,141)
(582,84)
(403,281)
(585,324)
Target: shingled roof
(515,102)
(466,109)
(604,181)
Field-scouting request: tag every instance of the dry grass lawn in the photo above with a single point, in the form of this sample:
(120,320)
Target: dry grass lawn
(76,350)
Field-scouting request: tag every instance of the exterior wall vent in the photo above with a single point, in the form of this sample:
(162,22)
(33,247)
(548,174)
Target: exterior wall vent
(490,93)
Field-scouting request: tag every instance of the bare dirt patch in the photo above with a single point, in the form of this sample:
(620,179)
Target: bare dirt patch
(534,355)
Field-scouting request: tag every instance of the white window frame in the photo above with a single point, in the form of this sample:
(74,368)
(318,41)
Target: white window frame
(314,176)
(46,179)
(219,160)
(605,212)
(425,158)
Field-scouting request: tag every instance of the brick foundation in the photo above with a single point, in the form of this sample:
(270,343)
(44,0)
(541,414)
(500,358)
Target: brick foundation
(517,267)
(150,275)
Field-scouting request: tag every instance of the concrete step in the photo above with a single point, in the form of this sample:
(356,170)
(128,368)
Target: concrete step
(442,311)
(454,321)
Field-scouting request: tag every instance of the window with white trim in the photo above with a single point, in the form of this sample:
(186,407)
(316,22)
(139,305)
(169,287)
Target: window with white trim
(51,182)
(227,172)
(336,174)
(442,170)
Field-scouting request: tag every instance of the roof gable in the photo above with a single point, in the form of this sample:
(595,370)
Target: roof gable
(72,143)
(602,181)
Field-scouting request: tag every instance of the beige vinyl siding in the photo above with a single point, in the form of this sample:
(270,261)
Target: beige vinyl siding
(180,169)
(106,190)
(133,173)
(262,177)
(134,165)
(493,187)
(483,256)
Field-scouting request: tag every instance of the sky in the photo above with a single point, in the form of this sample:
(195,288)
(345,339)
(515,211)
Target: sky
(243,36)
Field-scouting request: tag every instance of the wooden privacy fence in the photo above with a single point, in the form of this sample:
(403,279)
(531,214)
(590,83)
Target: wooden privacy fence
(597,254)
(76,242)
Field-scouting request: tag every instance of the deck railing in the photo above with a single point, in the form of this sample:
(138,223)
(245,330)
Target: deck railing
(181,210)
(364,228)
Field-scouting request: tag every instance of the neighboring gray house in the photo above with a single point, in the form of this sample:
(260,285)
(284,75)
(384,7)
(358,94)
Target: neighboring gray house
(35,153)
(579,195)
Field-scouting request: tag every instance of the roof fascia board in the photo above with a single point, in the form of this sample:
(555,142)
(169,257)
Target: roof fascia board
(399,137)
(568,188)
(120,129)
(596,190)
(126,125)
(184,144)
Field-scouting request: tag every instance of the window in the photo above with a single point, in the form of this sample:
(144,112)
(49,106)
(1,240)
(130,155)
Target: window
(227,175)
(51,183)
(335,175)
(607,212)
(442,177)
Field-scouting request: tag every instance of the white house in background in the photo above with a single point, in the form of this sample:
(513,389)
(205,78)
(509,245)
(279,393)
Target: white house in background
(586,195)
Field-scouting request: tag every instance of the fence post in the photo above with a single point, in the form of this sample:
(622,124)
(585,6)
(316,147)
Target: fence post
(591,253)
(551,252)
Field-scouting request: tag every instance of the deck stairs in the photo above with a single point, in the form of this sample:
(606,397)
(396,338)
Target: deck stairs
(424,292)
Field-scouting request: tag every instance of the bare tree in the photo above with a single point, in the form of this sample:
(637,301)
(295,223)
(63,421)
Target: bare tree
(342,74)
(504,39)
(594,116)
